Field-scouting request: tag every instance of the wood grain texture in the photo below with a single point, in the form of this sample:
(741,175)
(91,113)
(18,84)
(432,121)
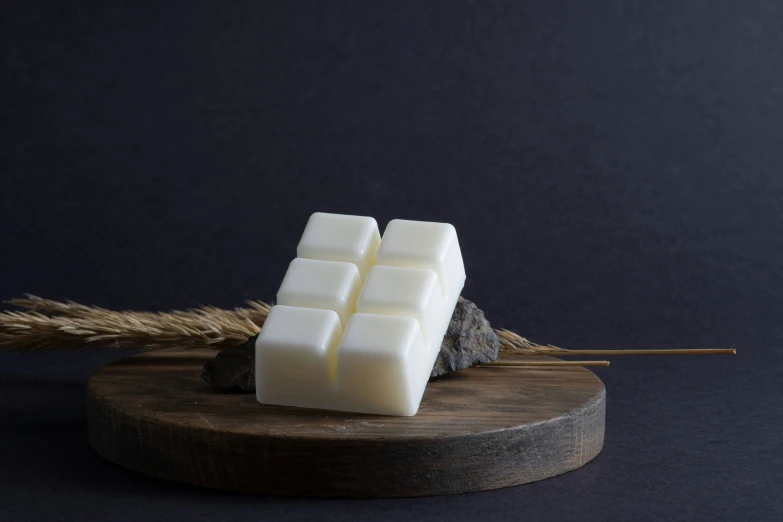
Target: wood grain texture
(477,429)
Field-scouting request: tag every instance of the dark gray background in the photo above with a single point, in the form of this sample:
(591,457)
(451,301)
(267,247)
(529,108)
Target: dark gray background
(613,170)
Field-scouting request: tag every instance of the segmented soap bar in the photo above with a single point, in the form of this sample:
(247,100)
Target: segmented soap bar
(360,318)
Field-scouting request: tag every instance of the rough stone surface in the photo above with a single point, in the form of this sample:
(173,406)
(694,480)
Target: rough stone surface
(233,369)
(469,340)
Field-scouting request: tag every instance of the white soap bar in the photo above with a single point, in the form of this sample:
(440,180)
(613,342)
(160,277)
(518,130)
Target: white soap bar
(335,343)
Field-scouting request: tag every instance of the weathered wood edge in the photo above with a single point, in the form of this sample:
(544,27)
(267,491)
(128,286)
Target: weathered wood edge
(371,468)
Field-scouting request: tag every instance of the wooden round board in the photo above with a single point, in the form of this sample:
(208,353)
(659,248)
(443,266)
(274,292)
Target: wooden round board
(477,429)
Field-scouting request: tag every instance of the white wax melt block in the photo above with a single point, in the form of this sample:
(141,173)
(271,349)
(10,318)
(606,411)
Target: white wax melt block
(409,292)
(359,325)
(376,364)
(422,244)
(335,237)
(296,357)
(312,283)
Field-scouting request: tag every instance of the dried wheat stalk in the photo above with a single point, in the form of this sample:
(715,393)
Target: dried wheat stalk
(51,325)
(514,344)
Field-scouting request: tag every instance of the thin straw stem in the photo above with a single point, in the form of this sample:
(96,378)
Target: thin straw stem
(519,364)
(679,351)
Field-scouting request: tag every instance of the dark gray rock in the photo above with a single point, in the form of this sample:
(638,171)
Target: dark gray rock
(469,340)
(233,369)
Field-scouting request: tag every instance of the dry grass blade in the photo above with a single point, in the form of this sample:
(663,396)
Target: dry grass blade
(524,364)
(51,325)
(76,326)
(33,303)
(514,344)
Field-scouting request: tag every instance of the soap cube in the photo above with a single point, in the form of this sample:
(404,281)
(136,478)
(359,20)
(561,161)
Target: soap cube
(377,362)
(296,357)
(312,283)
(411,292)
(420,244)
(335,237)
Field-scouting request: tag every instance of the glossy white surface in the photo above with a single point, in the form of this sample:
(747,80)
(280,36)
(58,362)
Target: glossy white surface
(411,292)
(364,347)
(423,244)
(376,364)
(331,285)
(335,237)
(296,357)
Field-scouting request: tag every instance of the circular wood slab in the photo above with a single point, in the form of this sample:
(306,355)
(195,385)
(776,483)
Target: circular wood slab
(477,429)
